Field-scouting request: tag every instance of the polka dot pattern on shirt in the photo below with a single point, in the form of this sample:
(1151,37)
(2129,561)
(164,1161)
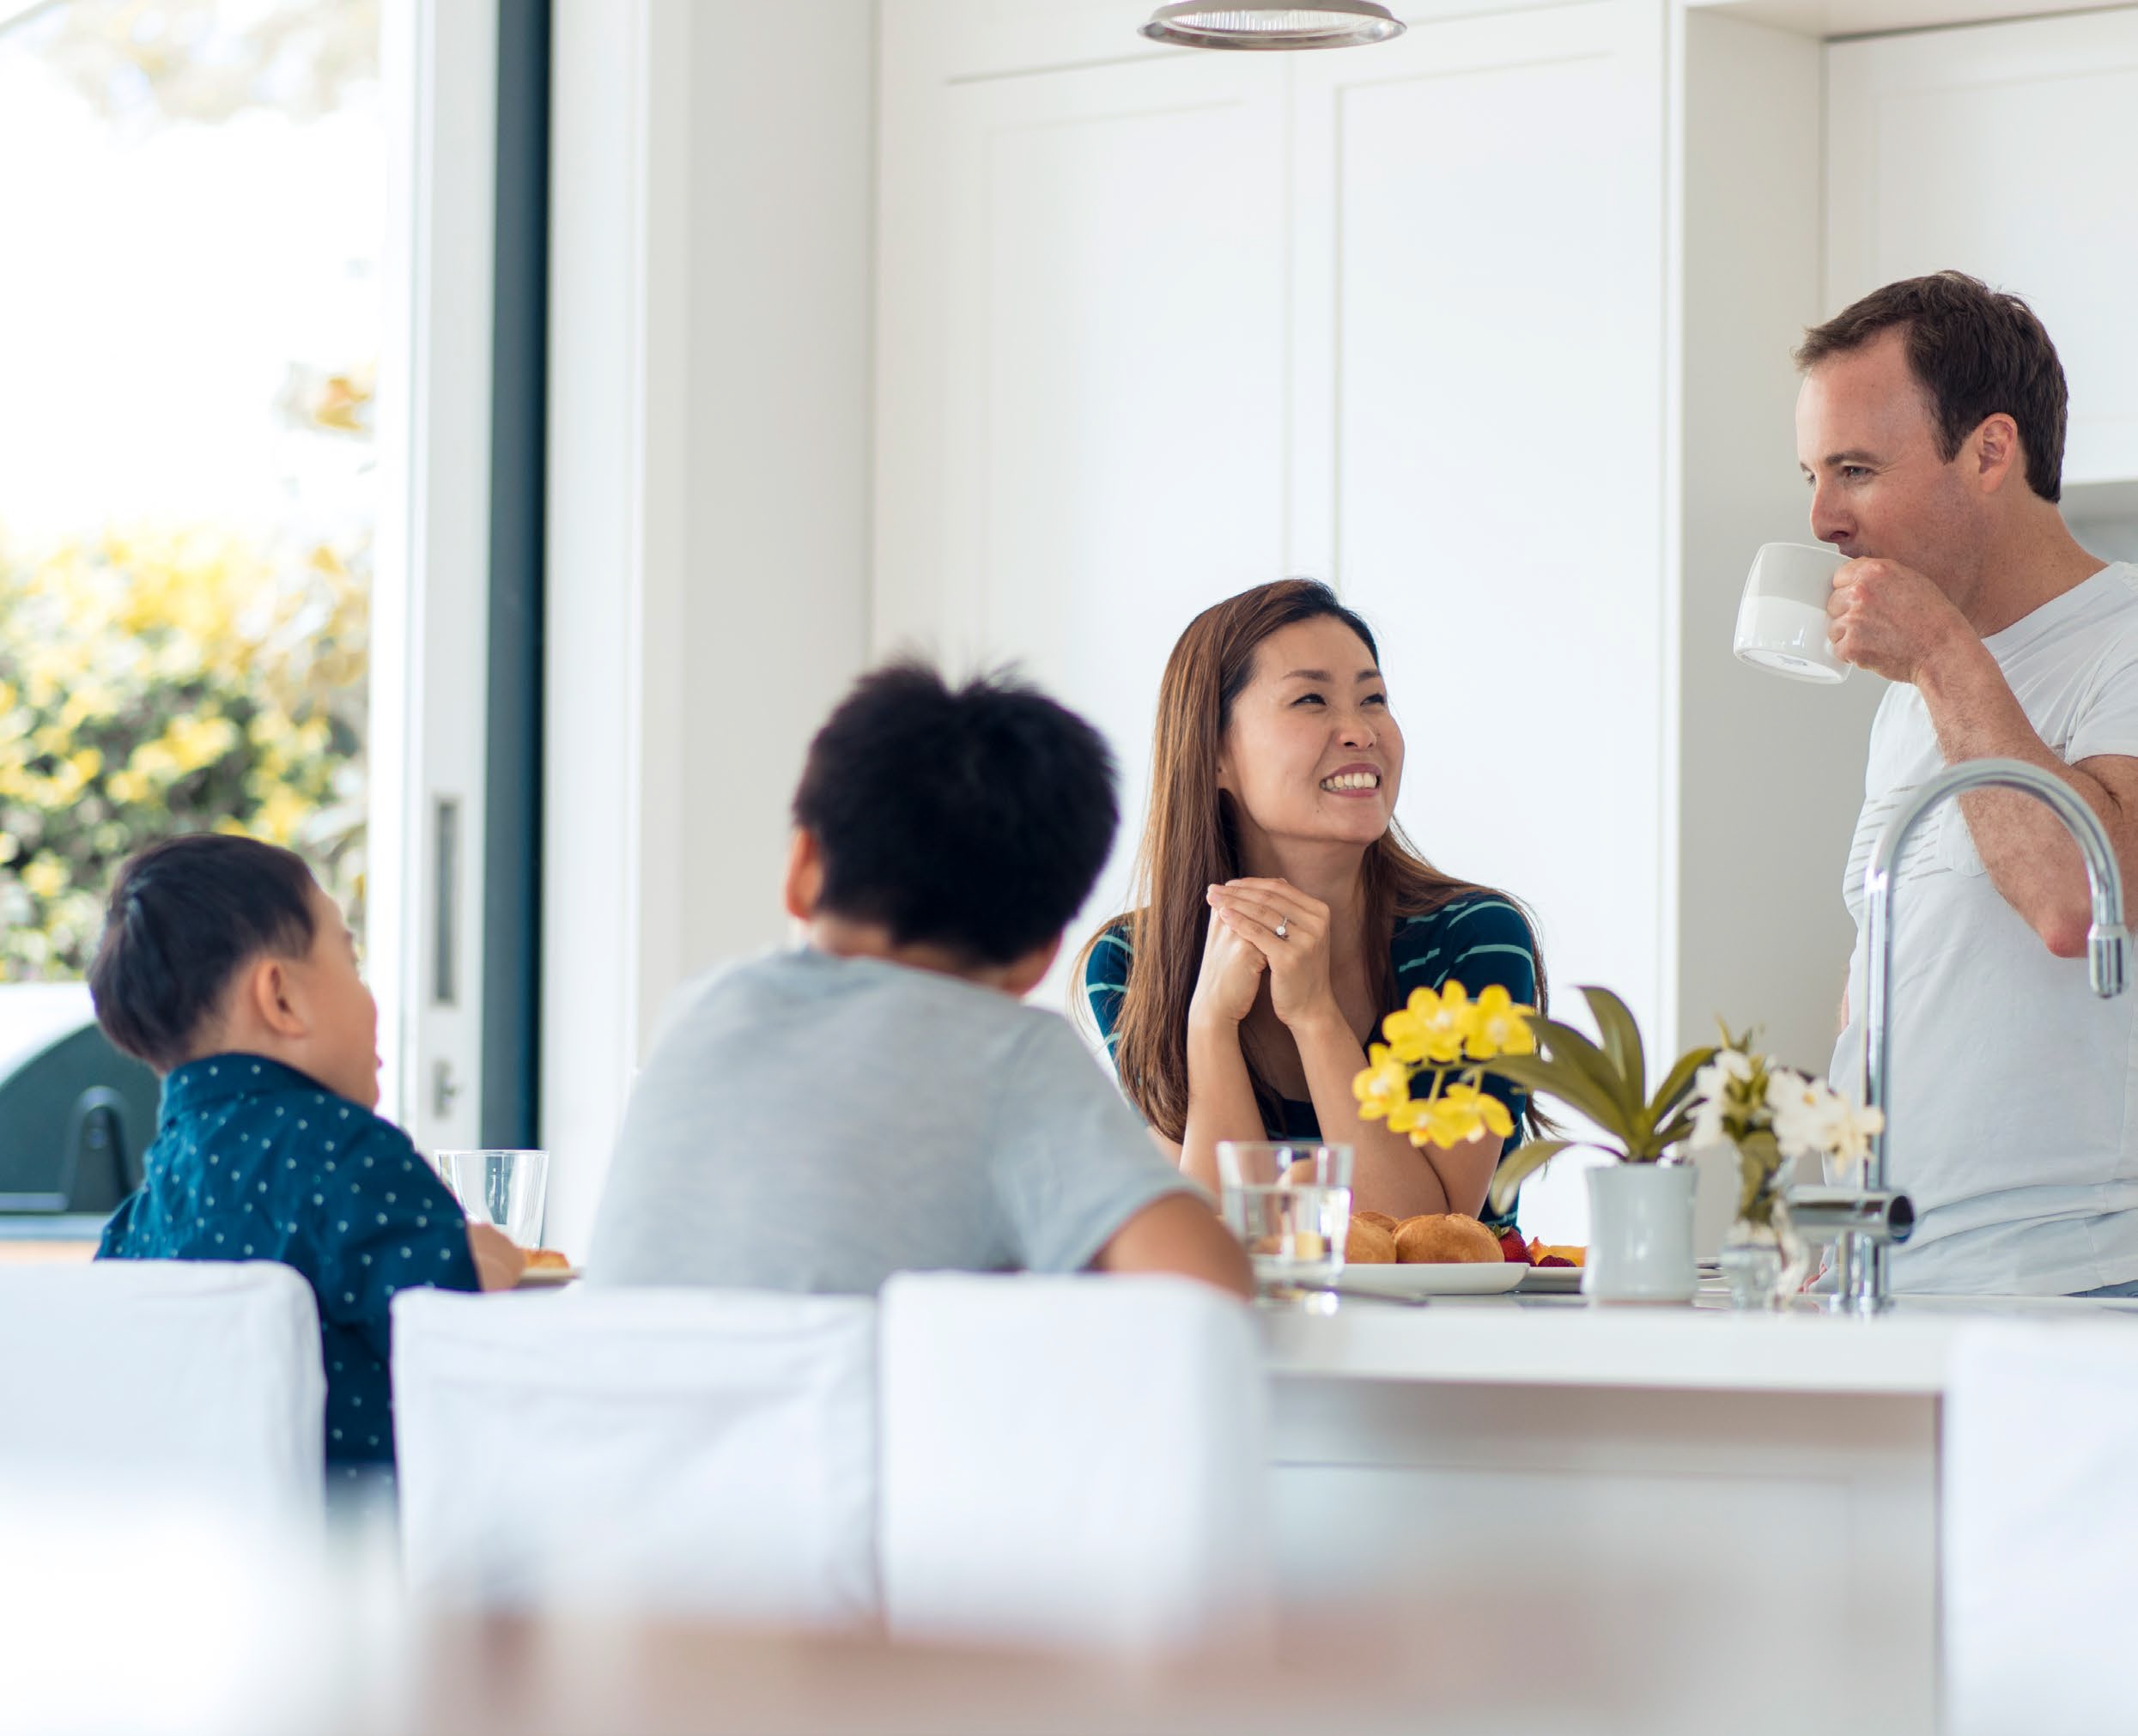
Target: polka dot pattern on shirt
(286,1192)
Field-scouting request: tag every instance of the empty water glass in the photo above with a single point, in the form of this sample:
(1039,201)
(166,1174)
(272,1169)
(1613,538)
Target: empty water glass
(504,1188)
(1290,1205)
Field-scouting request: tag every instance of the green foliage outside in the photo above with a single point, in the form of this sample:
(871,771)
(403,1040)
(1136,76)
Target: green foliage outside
(171,682)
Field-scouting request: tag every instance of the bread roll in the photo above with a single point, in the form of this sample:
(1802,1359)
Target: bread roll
(1369,1244)
(1380,1220)
(1445,1238)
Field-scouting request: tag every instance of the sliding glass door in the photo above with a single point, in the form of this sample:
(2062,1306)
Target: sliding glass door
(245,500)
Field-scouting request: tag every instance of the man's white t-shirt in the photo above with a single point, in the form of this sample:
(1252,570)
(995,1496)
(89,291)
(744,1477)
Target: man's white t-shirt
(2011,1086)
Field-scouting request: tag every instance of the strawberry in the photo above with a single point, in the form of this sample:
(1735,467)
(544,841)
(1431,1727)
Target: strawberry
(1513,1247)
(1554,1260)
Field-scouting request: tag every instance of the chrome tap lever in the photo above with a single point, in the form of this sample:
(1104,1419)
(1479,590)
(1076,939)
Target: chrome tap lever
(1827,1214)
(1862,1250)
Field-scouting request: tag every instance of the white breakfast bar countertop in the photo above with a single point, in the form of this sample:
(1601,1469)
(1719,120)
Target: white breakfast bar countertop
(1533,1341)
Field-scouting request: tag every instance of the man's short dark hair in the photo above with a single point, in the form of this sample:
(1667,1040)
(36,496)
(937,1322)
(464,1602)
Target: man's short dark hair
(974,818)
(183,916)
(1976,352)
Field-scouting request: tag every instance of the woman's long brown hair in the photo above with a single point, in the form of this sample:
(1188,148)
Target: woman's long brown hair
(1190,843)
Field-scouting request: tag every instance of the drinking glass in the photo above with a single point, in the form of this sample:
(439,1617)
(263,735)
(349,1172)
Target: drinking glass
(504,1188)
(1290,1205)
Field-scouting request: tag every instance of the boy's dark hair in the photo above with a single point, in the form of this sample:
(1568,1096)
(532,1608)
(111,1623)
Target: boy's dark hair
(975,818)
(184,916)
(1976,352)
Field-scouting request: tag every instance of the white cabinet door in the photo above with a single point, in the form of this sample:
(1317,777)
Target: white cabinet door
(2009,151)
(1081,407)
(1479,446)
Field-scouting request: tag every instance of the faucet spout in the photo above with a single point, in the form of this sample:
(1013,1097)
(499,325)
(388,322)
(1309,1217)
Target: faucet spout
(2105,953)
(1863,1258)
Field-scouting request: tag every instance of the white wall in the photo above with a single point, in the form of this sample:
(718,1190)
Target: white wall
(1484,201)
(2111,538)
(775,605)
(1770,771)
(1081,405)
(2007,150)
(708,491)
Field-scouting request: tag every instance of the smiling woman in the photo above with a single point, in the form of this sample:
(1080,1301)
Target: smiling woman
(1281,911)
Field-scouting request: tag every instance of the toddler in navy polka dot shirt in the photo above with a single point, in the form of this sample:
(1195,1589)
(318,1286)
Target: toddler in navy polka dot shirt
(225,968)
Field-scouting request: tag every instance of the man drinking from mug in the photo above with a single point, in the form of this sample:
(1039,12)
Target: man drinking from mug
(1930,426)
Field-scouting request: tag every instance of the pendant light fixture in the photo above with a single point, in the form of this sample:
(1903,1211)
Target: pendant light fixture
(1279,24)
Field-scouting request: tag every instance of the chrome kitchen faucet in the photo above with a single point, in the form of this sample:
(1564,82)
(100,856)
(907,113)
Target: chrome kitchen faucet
(1862,1284)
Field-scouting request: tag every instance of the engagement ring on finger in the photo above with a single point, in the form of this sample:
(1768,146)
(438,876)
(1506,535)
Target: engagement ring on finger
(1282,928)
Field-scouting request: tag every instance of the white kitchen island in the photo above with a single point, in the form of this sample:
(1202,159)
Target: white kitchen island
(1739,1511)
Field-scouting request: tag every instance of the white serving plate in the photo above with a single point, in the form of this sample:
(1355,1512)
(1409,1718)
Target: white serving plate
(1481,1278)
(548,1277)
(1551,1280)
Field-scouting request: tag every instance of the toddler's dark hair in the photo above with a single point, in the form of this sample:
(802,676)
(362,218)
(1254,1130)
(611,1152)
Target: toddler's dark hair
(974,818)
(184,916)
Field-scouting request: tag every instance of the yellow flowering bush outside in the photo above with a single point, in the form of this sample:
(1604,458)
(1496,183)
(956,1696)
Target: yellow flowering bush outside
(170,681)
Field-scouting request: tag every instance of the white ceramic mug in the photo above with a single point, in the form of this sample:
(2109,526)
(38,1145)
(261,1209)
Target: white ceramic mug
(1782,623)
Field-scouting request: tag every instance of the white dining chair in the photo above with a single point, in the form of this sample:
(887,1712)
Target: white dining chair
(694,1451)
(1071,1462)
(2040,1503)
(180,1381)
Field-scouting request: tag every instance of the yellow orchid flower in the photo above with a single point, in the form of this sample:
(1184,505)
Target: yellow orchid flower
(1489,1110)
(1405,1032)
(1411,1116)
(1499,1026)
(1446,1123)
(1384,1085)
(1458,1115)
(1431,1027)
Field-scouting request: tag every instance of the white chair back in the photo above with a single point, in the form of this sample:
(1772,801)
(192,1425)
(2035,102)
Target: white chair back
(1074,1462)
(699,1452)
(2040,1495)
(187,1381)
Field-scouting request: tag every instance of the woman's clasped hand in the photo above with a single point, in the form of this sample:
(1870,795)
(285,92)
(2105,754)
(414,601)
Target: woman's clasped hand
(1285,934)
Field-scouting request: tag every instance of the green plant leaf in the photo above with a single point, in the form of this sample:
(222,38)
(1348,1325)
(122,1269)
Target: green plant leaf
(1563,1043)
(1570,1084)
(1673,1130)
(1758,1157)
(1677,1083)
(1519,1165)
(1621,1035)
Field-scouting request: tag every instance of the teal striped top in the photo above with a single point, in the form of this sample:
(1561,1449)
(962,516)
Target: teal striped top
(1476,940)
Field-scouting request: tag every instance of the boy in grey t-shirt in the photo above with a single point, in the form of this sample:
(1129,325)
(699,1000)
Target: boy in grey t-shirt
(880,1100)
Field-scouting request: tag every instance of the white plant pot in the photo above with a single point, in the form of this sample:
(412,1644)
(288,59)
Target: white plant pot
(1640,1233)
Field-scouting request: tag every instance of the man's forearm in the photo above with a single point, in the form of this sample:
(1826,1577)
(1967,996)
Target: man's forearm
(2030,858)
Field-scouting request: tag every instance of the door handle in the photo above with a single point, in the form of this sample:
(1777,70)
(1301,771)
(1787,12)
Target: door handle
(444,1088)
(445,900)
